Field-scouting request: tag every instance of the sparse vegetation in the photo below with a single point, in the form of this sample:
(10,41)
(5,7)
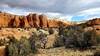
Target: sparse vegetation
(51,31)
(77,37)
(4,41)
(20,47)
(43,39)
(39,38)
(97,53)
(73,37)
(98,39)
(59,41)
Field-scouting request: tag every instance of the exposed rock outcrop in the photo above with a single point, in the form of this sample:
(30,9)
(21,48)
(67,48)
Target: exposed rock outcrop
(36,20)
(26,24)
(31,20)
(93,24)
(53,23)
(43,20)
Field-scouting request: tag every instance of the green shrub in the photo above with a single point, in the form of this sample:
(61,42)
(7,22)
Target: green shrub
(39,38)
(90,38)
(78,38)
(12,48)
(35,39)
(51,31)
(43,39)
(58,41)
(20,47)
(4,42)
(97,53)
(24,46)
(98,39)
(32,41)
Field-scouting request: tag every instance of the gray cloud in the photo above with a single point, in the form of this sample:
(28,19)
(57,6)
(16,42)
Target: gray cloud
(61,6)
(65,7)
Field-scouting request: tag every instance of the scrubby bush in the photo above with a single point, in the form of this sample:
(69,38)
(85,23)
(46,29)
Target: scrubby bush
(43,40)
(24,46)
(78,38)
(58,41)
(20,47)
(35,38)
(51,31)
(4,41)
(32,41)
(97,53)
(98,39)
(39,38)
(90,38)
(12,49)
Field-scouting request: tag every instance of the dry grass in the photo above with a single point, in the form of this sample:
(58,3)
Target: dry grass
(16,32)
(61,51)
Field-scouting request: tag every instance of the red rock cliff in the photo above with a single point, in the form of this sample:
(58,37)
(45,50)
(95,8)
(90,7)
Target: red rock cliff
(31,20)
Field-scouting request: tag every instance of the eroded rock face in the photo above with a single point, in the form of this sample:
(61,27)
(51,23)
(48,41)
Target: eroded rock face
(43,20)
(57,23)
(53,23)
(94,22)
(16,21)
(26,24)
(31,20)
(4,20)
(36,20)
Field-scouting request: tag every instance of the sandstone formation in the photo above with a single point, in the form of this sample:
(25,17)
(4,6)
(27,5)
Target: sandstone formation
(31,20)
(93,24)
(43,20)
(26,24)
(52,23)
(2,51)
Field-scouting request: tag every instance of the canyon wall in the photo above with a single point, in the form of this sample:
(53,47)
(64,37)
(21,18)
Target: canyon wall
(31,20)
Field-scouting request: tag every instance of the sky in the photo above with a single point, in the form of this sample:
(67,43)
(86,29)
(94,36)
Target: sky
(70,10)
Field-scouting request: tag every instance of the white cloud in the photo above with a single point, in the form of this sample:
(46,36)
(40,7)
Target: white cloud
(59,16)
(89,13)
(66,18)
